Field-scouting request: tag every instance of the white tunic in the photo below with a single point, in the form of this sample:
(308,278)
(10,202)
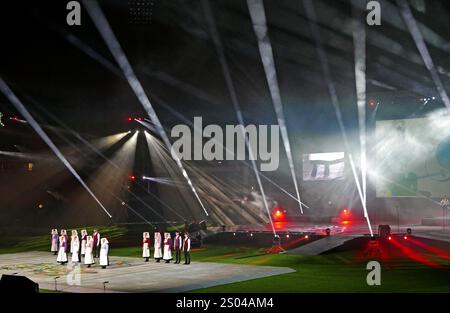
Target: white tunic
(83,246)
(62,255)
(104,254)
(75,247)
(146,250)
(54,247)
(158,253)
(88,257)
(167,252)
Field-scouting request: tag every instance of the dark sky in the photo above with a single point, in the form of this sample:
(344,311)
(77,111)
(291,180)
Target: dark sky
(174,57)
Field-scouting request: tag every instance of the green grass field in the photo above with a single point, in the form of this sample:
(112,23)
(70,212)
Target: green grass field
(337,271)
(334,272)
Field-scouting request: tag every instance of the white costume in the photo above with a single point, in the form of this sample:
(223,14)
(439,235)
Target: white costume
(167,247)
(88,256)
(75,247)
(104,248)
(62,255)
(55,241)
(146,245)
(83,241)
(157,245)
(64,233)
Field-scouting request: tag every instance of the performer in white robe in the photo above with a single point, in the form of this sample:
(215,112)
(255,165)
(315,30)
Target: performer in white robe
(62,255)
(146,246)
(75,247)
(64,233)
(88,256)
(104,248)
(55,241)
(157,245)
(83,241)
(167,248)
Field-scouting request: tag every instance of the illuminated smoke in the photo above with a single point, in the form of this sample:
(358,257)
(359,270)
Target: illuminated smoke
(422,47)
(258,16)
(24,112)
(359,42)
(110,39)
(309,8)
(234,99)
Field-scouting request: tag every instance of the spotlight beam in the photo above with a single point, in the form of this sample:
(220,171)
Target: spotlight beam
(30,119)
(111,41)
(415,32)
(310,11)
(232,92)
(134,211)
(89,51)
(359,42)
(258,16)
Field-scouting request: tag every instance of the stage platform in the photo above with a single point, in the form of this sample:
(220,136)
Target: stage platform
(322,245)
(129,274)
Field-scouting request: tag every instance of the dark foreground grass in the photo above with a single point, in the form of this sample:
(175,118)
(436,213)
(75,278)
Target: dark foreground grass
(334,272)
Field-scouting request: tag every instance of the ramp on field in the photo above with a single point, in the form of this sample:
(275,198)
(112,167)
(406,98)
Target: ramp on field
(321,245)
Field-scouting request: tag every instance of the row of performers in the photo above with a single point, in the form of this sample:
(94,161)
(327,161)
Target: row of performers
(90,247)
(163,249)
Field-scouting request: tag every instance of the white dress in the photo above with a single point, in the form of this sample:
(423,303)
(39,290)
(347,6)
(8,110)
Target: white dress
(146,250)
(54,247)
(88,257)
(167,250)
(75,244)
(158,253)
(83,246)
(62,255)
(104,255)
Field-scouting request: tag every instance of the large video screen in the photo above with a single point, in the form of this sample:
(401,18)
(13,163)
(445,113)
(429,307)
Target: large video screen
(412,157)
(323,166)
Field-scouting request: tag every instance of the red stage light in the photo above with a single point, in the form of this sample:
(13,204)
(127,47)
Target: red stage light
(306,236)
(132,177)
(345,222)
(389,237)
(345,212)
(372,103)
(405,237)
(129,119)
(278,214)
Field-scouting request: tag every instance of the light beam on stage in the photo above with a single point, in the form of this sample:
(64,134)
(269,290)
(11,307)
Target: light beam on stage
(109,178)
(232,92)
(89,51)
(157,149)
(258,16)
(311,13)
(30,119)
(413,28)
(162,180)
(359,42)
(110,39)
(133,210)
